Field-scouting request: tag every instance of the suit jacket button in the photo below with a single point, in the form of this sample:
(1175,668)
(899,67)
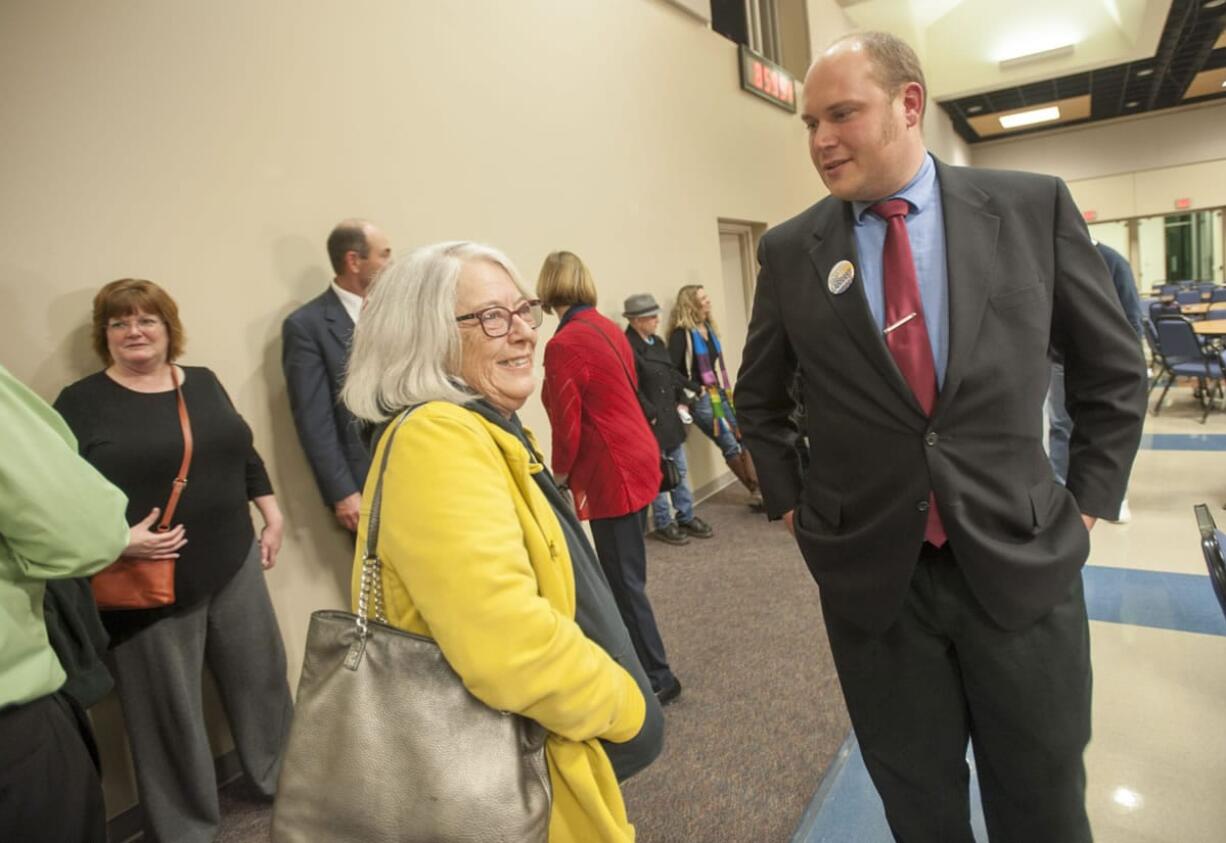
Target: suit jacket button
(931,438)
(922,506)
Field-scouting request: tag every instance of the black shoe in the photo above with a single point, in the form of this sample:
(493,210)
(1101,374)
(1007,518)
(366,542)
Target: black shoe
(667,695)
(696,527)
(671,535)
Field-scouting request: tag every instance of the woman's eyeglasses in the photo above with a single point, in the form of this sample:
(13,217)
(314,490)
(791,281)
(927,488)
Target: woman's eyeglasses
(496,321)
(144,323)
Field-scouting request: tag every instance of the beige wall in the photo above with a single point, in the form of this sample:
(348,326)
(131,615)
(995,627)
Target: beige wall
(1128,168)
(210,147)
(827,21)
(1147,142)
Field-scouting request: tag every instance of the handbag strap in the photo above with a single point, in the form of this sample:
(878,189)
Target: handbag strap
(180,481)
(371,590)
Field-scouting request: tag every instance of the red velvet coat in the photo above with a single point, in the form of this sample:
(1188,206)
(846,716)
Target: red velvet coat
(601,440)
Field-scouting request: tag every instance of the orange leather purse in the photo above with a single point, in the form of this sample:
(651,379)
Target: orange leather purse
(133,582)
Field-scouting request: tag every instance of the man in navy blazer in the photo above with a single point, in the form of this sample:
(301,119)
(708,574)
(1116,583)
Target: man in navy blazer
(947,556)
(315,348)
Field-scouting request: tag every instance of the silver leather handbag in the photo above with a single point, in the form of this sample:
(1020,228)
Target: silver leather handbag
(388,745)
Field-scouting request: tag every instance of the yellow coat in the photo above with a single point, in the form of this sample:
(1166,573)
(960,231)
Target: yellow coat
(473,557)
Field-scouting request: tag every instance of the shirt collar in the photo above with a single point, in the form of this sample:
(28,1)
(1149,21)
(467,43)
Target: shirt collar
(352,302)
(918,192)
(571,312)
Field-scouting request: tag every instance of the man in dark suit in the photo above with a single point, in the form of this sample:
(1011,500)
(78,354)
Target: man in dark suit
(315,347)
(947,556)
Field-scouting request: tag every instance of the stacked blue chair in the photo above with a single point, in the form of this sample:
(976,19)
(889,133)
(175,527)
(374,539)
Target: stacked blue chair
(1184,357)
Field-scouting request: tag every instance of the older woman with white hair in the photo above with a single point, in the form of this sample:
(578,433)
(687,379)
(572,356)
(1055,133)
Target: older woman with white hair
(479,550)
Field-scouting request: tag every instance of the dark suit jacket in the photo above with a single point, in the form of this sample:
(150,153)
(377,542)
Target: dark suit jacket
(1023,278)
(315,348)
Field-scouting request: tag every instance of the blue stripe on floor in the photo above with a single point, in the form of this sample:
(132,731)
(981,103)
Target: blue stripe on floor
(1182,602)
(847,809)
(1183,442)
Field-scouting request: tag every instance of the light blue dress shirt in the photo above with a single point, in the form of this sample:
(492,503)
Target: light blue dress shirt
(926,230)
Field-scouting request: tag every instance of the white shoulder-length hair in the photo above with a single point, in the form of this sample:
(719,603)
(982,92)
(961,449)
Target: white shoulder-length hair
(406,348)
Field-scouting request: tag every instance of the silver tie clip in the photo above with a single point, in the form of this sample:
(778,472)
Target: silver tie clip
(899,323)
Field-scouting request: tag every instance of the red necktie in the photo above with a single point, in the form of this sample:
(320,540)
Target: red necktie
(906,332)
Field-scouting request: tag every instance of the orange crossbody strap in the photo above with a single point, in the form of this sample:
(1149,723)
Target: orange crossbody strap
(180,481)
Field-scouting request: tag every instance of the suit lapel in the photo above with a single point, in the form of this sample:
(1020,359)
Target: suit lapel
(970,258)
(339,323)
(835,242)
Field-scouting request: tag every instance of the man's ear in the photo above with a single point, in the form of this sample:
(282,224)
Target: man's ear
(352,260)
(913,103)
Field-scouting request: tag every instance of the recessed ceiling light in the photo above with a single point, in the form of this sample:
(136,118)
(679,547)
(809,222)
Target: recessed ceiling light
(1148,71)
(1213,4)
(974,109)
(1132,104)
(1029,118)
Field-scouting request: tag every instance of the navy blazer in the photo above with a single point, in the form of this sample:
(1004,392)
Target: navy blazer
(315,349)
(1024,280)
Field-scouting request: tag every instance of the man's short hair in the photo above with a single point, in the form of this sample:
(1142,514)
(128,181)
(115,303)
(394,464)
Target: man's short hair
(894,62)
(348,236)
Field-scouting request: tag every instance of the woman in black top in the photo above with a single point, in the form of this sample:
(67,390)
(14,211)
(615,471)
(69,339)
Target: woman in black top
(695,350)
(126,421)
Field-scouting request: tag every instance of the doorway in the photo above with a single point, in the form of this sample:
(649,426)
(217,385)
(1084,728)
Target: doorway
(737,241)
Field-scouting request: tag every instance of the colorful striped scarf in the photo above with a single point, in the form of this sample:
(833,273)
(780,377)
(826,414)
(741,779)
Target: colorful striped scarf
(706,359)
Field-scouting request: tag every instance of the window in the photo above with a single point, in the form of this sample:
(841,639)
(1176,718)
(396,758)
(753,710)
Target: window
(775,29)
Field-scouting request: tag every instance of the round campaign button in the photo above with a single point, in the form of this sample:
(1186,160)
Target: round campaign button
(840,277)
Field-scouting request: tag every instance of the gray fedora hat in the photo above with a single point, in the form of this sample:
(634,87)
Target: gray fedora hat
(640,304)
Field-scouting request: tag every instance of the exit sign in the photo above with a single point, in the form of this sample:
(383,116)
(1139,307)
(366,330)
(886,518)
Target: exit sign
(763,78)
(1183,204)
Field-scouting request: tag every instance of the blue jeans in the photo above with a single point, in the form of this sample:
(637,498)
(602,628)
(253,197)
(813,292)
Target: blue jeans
(704,420)
(683,498)
(1060,424)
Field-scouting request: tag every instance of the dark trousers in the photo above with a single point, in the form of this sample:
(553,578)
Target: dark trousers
(623,556)
(159,674)
(945,672)
(49,787)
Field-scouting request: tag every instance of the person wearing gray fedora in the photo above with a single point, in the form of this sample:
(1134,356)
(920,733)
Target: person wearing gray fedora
(661,388)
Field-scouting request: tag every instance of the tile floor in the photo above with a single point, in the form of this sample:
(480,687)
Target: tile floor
(1157,763)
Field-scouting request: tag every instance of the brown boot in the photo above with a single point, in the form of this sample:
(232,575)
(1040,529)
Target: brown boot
(742,467)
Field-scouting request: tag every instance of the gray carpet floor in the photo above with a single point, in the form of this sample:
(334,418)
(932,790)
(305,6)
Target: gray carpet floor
(761,715)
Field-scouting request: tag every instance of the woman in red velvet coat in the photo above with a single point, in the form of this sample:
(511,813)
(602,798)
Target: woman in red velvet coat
(603,448)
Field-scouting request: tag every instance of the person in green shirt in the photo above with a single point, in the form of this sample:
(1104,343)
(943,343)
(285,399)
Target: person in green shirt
(58,518)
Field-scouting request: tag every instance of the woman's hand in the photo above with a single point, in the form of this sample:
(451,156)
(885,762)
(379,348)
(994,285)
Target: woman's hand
(274,529)
(145,542)
(270,544)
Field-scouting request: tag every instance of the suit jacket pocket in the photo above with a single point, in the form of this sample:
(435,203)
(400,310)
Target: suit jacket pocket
(1010,299)
(1041,502)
